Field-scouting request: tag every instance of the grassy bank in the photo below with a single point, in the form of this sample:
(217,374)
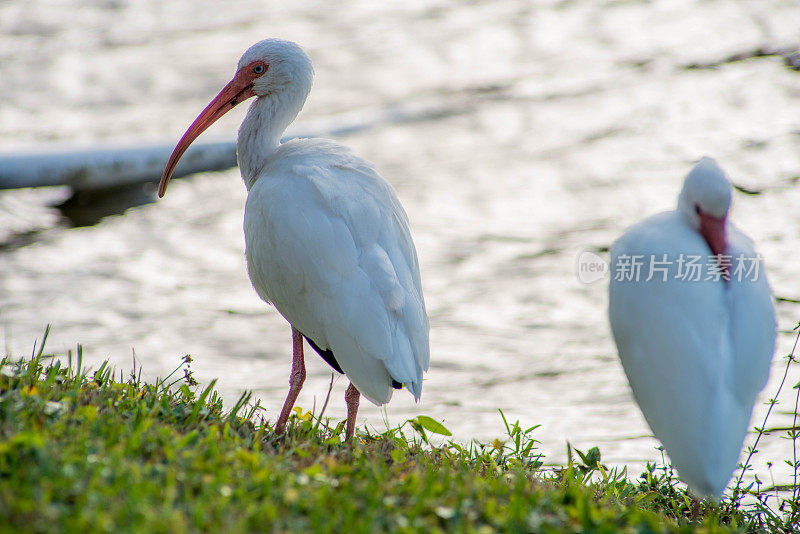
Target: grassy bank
(94,451)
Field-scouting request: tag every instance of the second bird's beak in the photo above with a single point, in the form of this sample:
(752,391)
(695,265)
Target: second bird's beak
(713,231)
(238,90)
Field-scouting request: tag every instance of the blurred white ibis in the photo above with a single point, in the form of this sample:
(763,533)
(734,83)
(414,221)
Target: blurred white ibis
(327,240)
(696,342)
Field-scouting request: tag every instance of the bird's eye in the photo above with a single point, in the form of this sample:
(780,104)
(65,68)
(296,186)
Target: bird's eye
(258,69)
(697,209)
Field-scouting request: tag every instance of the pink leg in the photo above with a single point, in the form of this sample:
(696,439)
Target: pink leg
(351,397)
(296,380)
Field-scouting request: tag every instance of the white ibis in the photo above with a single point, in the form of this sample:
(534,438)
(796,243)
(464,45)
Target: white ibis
(692,315)
(328,242)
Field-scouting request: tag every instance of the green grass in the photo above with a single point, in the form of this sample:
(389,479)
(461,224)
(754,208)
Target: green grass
(94,451)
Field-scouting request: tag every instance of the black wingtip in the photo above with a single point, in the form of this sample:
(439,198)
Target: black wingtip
(326,354)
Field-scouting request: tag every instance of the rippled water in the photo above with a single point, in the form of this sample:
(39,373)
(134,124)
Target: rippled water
(537,130)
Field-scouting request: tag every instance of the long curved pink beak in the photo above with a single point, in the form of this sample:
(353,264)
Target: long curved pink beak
(238,90)
(713,231)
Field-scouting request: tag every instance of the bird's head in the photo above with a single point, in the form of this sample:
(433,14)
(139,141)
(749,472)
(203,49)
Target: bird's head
(705,200)
(274,66)
(271,68)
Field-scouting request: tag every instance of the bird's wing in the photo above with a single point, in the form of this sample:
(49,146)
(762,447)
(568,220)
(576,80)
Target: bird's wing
(673,343)
(325,246)
(753,323)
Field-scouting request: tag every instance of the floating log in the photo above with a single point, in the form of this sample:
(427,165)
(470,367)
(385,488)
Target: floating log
(111,166)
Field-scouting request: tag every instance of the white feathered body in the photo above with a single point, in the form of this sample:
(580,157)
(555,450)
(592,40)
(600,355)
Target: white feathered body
(328,244)
(696,353)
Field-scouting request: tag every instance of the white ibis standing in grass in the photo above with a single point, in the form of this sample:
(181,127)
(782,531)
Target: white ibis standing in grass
(692,315)
(328,242)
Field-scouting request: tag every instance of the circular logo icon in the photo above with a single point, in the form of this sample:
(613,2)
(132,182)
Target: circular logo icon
(590,267)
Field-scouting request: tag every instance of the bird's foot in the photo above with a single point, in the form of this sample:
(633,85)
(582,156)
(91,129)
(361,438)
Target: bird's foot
(696,509)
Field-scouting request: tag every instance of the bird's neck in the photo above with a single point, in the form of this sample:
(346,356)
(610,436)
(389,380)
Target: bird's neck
(261,131)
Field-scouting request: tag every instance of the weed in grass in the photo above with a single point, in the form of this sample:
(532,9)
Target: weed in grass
(775,511)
